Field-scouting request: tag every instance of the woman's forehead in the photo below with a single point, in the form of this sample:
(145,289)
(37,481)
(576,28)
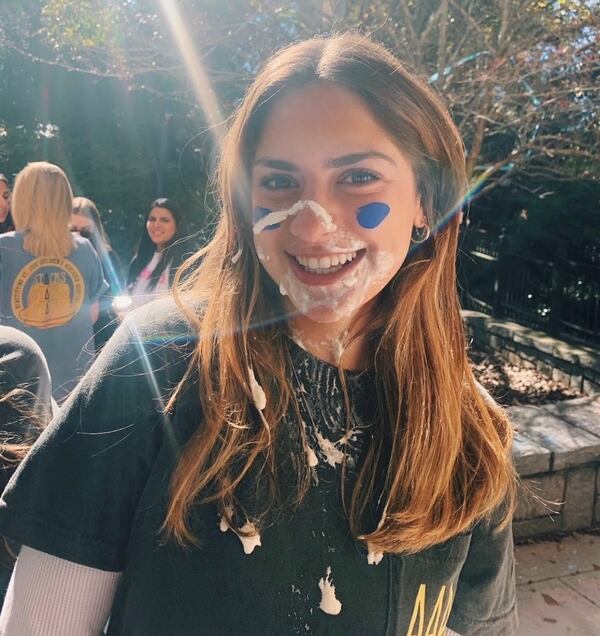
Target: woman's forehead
(323,120)
(163,212)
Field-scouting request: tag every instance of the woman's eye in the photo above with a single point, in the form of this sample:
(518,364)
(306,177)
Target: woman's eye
(278,182)
(359,177)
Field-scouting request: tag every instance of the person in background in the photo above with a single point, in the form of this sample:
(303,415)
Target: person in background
(295,442)
(26,407)
(87,222)
(6,222)
(162,248)
(50,278)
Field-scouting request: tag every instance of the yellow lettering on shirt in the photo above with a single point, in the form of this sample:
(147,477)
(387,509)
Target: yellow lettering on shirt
(436,625)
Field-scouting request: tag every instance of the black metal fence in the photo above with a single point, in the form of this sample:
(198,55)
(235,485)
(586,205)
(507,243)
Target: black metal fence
(557,292)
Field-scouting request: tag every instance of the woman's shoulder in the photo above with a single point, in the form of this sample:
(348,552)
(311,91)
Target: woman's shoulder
(137,370)
(9,237)
(82,244)
(162,318)
(154,340)
(83,253)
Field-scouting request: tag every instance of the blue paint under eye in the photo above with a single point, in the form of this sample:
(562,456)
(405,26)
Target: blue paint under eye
(372,215)
(260,213)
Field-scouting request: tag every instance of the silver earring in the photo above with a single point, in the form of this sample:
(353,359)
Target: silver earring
(420,234)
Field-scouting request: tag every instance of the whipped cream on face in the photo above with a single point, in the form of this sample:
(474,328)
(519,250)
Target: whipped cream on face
(278,216)
(350,281)
(344,297)
(261,254)
(340,299)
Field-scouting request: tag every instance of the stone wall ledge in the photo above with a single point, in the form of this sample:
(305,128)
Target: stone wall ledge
(577,367)
(557,455)
(538,340)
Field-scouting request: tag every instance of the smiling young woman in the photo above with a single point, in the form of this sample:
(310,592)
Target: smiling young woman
(359,181)
(162,247)
(325,462)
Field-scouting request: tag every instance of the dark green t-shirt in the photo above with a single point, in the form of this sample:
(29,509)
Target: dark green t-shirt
(95,487)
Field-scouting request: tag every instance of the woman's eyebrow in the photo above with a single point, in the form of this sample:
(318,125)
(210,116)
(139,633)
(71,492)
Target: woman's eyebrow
(276,164)
(337,162)
(347,160)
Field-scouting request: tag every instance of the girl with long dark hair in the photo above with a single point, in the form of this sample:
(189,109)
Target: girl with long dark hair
(162,248)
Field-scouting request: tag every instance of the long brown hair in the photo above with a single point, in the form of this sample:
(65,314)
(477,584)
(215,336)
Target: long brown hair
(440,451)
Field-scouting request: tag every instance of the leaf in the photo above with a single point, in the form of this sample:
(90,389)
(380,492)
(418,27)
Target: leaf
(549,600)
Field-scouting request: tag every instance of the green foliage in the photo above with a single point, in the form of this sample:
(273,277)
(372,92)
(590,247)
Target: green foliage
(521,79)
(120,148)
(80,25)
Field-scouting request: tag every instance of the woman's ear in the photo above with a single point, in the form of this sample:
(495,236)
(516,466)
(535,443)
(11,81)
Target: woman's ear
(420,218)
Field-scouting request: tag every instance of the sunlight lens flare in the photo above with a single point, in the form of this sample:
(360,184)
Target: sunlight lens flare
(203,91)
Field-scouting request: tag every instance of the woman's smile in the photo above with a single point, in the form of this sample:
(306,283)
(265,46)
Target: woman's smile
(325,269)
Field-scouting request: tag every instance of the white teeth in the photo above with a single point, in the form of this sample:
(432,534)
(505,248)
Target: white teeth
(325,264)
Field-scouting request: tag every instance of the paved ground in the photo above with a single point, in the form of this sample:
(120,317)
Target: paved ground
(558,587)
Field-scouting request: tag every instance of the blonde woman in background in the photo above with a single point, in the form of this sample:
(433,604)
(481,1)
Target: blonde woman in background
(50,278)
(87,222)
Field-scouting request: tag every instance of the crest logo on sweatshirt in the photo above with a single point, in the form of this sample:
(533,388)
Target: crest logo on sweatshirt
(47,293)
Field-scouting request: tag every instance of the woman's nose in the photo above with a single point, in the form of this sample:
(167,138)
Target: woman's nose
(312,223)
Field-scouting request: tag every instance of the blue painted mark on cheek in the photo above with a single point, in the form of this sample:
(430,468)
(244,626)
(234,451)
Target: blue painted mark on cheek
(259,213)
(372,215)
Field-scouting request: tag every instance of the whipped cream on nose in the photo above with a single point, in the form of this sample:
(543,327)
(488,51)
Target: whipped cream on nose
(278,216)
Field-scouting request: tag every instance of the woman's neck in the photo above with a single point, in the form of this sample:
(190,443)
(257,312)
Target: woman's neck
(329,341)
